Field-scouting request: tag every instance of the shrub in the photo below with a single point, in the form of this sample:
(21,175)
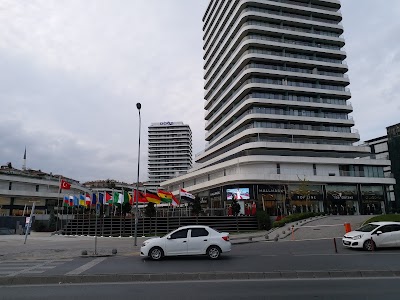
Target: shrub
(293,218)
(263,220)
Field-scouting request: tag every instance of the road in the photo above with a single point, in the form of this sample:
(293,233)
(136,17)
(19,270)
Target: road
(282,256)
(374,288)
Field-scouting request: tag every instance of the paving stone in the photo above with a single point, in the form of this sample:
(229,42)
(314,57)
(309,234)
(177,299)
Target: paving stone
(305,274)
(158,277)
(337,274)
(322,274)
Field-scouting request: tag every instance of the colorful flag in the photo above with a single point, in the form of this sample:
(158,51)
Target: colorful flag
(153,197)
(94,199)
(108,199)
(64,185)
(66,201)
(76,201)
(101,198)
(88,201)
(120,199)
(115,198)
(71,200)
(165,196)
(126,197)
(130,199)
(82,200)
(185,195)
(141,197)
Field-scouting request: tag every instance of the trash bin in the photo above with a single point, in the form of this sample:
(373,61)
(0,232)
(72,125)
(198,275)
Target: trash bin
(347,227)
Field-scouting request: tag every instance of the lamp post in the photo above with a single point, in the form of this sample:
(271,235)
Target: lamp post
(138,106)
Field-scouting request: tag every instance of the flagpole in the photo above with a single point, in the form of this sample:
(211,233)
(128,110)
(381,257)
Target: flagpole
(90,212)
(156,221)
(66,225)
(58,197)
(120,217)
(77,214)
(95,226)
(179,206)
(83,216)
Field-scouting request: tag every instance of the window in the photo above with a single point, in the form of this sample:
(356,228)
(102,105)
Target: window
(278,169)
(10,186)
(386,228)
(314,169)
(37,188)
(196,232)
(181,234)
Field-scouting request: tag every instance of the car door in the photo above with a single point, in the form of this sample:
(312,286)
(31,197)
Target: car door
(198,241)
(176,243)
(383,239)
(395,236)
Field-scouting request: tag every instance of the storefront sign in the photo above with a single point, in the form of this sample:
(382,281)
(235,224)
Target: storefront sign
(271,189)
(166,123)
(315,197)
(215,193)
(372,197)
(341,196)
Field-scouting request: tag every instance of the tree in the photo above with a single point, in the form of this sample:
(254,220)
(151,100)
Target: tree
(235,212)
(52,221)
(304,190)
(235,208)
(150,212)
(196,206)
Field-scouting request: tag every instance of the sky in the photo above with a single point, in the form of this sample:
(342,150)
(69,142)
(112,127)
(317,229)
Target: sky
(72,72)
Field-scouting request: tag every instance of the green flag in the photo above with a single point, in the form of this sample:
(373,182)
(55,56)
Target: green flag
(126,197)
(115,198)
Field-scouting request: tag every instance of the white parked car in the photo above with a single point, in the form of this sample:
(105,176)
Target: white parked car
(374,235)
(188,240)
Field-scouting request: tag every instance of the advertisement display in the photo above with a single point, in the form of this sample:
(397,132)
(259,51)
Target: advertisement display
(238,194)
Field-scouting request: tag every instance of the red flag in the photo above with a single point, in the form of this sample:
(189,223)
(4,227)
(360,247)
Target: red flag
(65,185)
(109,199)
(141,197)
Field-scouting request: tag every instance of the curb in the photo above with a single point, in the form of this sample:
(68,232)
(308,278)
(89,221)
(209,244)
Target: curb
(72,279)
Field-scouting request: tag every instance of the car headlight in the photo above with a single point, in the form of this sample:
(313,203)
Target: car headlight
(357,237)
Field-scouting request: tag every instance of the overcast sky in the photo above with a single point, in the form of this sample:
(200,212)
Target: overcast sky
(72,71)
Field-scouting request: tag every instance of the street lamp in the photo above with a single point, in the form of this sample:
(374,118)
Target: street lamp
(138,106)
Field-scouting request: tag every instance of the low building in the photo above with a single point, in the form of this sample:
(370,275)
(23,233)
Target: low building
(388,147)
(19,189)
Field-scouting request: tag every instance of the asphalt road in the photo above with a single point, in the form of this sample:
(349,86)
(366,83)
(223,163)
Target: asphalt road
(282,256)
(382,288)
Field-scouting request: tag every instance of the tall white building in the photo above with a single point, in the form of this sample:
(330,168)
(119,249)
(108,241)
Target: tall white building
(277,112)
(170,152)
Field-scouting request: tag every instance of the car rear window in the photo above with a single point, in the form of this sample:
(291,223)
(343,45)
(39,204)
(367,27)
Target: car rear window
(196,232)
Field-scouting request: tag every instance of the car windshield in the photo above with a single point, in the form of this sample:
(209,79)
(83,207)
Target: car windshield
(367,228)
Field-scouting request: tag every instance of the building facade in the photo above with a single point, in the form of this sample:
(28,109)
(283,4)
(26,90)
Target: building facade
(277,107)
(19,189)
(388,147)
(170,152)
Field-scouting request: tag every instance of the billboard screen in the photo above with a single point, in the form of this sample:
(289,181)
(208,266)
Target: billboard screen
(238,194)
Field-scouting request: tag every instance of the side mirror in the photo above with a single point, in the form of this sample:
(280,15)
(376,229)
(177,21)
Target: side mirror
(168,237)
(378,232)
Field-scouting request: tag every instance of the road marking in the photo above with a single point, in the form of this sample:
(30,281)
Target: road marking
(349,254)
(87,266)
(269,255)
(30,268)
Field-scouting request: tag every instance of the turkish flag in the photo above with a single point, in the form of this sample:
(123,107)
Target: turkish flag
(65,185)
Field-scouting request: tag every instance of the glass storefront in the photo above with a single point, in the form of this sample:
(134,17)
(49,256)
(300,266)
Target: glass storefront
(342,200)
(305,198)
(372,200)
(271,198)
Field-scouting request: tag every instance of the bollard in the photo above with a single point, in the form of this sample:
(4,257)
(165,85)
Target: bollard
(292,233)
(334,242)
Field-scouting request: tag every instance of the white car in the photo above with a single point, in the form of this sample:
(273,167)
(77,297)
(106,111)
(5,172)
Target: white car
(188,240)
(374,235)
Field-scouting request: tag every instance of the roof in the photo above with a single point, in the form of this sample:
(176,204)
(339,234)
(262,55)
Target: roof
(384,223)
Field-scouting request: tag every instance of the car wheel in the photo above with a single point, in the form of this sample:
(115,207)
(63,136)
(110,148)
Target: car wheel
(156,253)
(213,252)
(369,245)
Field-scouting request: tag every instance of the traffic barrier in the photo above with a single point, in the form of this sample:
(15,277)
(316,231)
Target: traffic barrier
(347,227)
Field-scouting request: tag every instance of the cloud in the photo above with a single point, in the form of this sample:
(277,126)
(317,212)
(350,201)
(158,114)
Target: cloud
(73,71)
